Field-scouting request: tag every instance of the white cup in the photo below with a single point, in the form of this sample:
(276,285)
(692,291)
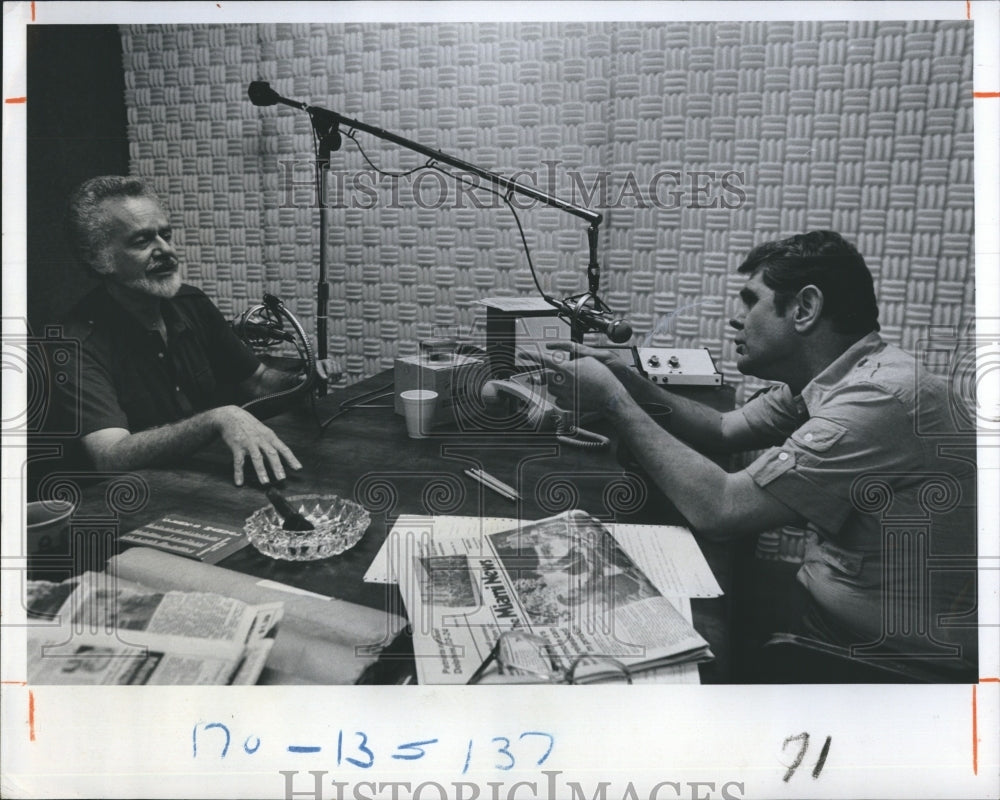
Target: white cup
(418,408)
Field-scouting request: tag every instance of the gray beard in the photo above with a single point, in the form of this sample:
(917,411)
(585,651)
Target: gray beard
(164,287)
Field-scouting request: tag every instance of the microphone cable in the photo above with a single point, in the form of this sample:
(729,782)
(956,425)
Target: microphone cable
(350,135)
(506,197)
(361,401)
(431,164)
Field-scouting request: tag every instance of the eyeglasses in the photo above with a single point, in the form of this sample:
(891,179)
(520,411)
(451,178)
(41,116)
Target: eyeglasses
(522,657)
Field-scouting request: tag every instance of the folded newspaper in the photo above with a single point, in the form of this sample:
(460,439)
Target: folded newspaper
(100,629)
(564,579)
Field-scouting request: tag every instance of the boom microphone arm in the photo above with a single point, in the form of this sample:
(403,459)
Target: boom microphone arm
(261,94)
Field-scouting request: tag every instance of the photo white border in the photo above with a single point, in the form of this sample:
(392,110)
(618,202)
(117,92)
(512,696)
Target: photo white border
(887,741)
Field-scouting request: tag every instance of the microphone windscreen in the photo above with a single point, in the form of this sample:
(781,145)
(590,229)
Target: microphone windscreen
(619,331)
(261,94)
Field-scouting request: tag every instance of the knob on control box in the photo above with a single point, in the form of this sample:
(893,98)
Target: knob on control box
(678,367)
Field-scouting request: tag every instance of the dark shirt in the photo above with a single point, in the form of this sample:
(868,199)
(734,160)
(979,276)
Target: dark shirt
(129,379)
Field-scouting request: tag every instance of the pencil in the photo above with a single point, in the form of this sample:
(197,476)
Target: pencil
(488,485)
(496,482)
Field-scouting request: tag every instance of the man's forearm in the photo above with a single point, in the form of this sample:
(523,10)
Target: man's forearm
(719,505)
(277,380)
(692,421)
(267,381)
(251,443)
(690,480)
(158,445)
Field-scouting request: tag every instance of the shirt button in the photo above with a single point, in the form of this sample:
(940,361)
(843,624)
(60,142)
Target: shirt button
(159,355)
(178,388)
(782,456)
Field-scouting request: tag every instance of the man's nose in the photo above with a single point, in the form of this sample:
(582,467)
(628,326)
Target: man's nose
(165,245)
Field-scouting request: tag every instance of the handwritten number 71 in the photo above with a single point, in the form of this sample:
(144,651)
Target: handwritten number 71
(803,739)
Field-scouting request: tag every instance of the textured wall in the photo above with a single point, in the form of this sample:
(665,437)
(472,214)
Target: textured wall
(862,127)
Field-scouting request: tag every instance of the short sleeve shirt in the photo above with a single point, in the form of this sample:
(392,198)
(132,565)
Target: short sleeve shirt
(129,378)
(859,447)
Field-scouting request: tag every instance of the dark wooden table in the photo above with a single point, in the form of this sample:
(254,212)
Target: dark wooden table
(366,455)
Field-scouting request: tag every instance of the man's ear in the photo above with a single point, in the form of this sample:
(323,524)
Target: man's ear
(808,308)
(98,262)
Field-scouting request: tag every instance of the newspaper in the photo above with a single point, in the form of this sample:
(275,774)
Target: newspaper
(103,630)
(668,554)
(321,640)
(564,579)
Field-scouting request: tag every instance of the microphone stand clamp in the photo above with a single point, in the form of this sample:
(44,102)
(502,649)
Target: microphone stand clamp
(576,304)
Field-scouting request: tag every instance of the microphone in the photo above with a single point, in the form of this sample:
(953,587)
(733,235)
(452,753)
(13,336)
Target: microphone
(257,330)
(273,304)
(261,94)
(325,122)
(589,318)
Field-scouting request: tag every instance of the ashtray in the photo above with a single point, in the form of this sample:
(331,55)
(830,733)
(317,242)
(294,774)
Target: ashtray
(340,524)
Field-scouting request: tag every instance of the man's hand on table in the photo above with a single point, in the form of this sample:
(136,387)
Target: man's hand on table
(248,437)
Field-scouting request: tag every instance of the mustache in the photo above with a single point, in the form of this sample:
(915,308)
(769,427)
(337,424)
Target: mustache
(164,263)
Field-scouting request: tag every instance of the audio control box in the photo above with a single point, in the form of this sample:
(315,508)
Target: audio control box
(677,367)
(452,376)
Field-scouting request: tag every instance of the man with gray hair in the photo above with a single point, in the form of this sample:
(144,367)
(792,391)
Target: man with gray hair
(161,371)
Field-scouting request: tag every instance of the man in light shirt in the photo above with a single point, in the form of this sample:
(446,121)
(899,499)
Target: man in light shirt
(853,435)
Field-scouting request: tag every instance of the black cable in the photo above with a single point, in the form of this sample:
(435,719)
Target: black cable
(318,174)
(527,251)
(357,402)
(506,197)
(348,405)
(379,170)
(431,164)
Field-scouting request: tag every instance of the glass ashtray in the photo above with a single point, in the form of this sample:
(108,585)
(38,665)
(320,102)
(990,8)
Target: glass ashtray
(339,524)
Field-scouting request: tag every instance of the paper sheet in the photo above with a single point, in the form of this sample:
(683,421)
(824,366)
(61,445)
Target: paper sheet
(676,673)
(670,557)
(668,554)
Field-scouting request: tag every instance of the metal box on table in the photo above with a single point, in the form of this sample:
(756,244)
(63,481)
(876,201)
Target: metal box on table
(450,375)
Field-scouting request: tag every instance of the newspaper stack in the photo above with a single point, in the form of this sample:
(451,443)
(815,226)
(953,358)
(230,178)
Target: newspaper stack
(564,579)
(99,629)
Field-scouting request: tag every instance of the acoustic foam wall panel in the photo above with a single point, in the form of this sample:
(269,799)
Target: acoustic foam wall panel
(743,132)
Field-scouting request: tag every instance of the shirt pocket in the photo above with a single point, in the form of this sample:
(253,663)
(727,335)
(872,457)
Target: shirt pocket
(842,561)
(202,380)
(847,567)
(818,434)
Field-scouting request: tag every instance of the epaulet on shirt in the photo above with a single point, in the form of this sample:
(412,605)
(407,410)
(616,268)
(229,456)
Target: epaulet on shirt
(772,388)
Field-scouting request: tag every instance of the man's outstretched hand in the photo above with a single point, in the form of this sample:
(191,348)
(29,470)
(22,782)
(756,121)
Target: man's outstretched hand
(579,379)
(574,350)
(247,437)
